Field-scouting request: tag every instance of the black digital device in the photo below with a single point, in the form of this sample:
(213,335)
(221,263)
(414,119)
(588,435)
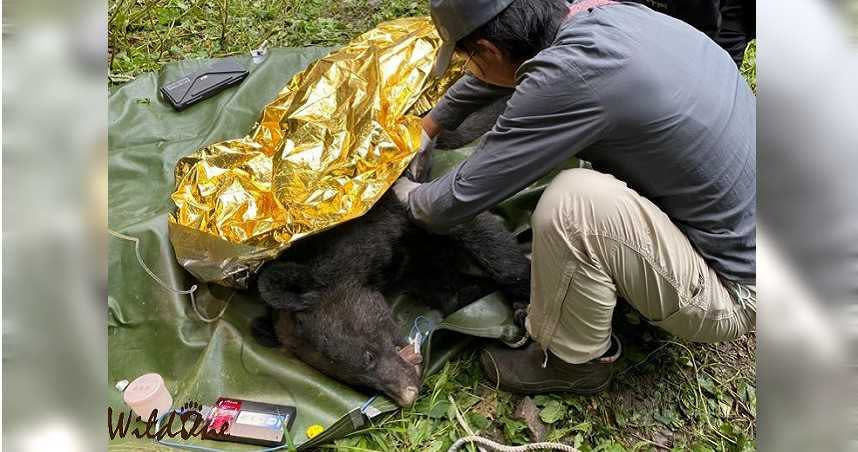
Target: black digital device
(203,84)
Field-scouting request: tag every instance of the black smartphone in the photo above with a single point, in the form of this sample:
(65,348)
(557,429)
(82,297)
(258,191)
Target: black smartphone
(203,84)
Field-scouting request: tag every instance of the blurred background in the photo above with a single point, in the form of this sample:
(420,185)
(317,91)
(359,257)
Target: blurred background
(55,84)
(808,224)
(54,217)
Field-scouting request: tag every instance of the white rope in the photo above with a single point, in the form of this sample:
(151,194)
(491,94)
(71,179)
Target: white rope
(189,292)
(519,343)
(219,314)
(497,447)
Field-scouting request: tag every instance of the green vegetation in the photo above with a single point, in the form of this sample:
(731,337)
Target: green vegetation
(667,393)
(145,34)
(749,65)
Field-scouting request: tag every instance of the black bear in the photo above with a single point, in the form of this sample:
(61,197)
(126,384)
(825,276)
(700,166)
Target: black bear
(327,290)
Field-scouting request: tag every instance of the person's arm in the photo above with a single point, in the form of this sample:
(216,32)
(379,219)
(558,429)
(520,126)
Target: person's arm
(552,115)
(466,96)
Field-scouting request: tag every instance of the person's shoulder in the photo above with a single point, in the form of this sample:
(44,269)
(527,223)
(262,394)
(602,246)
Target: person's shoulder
(546,72)
(613,22)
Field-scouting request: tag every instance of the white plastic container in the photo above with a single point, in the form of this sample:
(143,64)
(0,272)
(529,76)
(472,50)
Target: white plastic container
(146,393)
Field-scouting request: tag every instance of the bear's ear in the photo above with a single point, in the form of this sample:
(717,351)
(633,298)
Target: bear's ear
(291,301)
(279,286)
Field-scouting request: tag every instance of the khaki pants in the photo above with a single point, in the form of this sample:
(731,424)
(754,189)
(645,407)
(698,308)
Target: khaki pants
(596,239)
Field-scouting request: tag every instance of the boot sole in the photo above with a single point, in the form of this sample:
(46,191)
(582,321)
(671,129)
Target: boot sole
(579,391)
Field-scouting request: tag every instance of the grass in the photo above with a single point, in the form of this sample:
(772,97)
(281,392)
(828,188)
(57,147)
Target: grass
(667,394)
(143,35)
(749,65)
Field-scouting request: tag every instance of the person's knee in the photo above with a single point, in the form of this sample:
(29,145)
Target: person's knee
(575,195)
(591,186)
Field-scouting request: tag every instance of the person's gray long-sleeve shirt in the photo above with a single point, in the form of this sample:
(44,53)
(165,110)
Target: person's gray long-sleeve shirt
(640,95)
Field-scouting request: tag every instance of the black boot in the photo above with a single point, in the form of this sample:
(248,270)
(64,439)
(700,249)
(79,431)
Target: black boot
(522,370)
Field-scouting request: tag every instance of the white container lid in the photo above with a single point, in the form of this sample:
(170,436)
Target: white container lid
(146,393)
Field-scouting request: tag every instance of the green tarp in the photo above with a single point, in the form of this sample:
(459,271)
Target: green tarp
(151,329)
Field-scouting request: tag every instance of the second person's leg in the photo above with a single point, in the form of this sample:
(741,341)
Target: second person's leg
(596,239)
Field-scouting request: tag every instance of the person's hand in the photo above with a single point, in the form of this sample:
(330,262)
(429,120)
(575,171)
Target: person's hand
(431,127)
(421,165)
(402,187)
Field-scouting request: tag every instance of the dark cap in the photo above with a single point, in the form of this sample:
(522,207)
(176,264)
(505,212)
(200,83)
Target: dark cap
(456,19)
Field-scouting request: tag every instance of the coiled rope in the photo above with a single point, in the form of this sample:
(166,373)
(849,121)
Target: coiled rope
(497,447)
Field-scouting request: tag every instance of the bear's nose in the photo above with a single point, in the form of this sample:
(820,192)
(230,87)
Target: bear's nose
(409,395)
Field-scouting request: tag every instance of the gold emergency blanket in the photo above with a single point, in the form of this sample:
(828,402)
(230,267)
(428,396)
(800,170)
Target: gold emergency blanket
(323,152)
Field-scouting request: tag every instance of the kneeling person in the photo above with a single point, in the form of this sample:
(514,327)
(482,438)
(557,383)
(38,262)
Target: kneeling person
(665,220)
